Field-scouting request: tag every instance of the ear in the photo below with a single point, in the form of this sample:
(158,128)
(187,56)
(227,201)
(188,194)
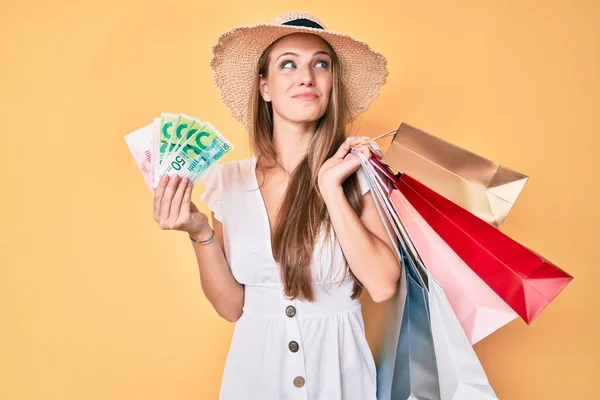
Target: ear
(264,89)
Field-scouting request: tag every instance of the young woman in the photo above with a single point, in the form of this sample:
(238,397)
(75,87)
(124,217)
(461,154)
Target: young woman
(296,233)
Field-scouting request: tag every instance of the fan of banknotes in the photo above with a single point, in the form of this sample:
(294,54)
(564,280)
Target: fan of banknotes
(176,144)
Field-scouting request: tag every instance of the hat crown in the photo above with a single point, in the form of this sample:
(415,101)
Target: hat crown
(237,52)
(293,15)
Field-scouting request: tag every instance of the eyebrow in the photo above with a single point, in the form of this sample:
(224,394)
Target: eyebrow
(289,53)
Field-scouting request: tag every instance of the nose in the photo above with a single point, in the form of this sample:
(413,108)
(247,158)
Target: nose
(306,76)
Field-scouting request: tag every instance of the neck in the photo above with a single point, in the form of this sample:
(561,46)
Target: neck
(291,141)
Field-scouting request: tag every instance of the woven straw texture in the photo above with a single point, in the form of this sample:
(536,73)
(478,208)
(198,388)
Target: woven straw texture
(237,51)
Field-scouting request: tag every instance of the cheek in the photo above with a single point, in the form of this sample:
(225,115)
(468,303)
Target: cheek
(326,83)
(280,96)
(280,87)
(326,86)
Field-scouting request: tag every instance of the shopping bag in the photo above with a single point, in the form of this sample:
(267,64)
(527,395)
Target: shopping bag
(407,368)
(483,187)
(478,308)
(388,382)
(524,280)
(461,375)
(416,373)
(432,357)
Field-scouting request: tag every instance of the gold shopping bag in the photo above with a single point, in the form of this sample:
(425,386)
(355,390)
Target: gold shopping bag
(484,188)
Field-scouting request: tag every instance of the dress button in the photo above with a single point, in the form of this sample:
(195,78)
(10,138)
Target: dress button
(293,346)
(299,381)
(290,311)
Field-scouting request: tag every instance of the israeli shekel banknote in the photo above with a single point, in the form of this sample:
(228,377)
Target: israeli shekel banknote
(176,144)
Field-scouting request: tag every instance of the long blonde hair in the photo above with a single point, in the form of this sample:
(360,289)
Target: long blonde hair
(303,213)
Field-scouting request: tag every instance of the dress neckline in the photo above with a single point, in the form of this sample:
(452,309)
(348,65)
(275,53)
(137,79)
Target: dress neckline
(265,222)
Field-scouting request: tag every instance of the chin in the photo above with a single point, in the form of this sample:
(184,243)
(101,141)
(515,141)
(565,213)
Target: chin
(305,120)
(307,117)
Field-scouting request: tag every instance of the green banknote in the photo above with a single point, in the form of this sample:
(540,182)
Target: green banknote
(176,144)
(218,148)
(167,130)
(182,125)
(188,133)
(196,153)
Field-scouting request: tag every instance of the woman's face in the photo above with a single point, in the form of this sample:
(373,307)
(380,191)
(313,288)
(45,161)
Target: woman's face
(299,78)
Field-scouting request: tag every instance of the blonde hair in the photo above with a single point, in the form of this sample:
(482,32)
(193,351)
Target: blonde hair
(302,213)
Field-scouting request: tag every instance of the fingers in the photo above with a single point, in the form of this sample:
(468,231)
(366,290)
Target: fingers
(184,214)
(359,148)
(365,151)
(158,196)
(346,146)
(167,199)
(172,202)
(175,209)
(343,149)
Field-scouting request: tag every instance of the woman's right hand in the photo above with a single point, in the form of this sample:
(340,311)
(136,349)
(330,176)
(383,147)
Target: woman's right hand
(174,210)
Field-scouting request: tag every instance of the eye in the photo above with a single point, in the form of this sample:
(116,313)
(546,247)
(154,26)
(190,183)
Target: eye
(325,63)
(283,64)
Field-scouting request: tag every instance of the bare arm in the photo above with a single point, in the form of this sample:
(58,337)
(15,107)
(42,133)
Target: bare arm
(363,239)
(174,210)
(218,283)
(365,244)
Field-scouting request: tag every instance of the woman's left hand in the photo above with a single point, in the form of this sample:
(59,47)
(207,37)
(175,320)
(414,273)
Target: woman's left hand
(341,165)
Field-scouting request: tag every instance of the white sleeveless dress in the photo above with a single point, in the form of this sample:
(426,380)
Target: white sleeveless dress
(286,349)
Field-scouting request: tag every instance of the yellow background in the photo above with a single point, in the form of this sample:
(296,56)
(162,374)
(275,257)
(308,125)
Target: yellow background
(98,303)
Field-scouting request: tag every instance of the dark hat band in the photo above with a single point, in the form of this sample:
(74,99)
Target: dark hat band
(303,22)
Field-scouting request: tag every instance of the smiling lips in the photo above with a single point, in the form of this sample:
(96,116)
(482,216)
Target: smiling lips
(305,96)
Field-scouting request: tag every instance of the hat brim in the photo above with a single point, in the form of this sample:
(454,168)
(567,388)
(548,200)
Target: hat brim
(237,51)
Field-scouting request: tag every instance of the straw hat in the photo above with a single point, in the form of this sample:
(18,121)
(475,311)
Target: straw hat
(237,51)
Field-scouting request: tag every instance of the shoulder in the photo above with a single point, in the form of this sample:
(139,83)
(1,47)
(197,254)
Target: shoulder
(239,164)
(222,180)
(230,168)
(230,175)
(236,169)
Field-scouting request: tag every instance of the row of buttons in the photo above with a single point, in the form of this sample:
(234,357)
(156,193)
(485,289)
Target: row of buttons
(299,381)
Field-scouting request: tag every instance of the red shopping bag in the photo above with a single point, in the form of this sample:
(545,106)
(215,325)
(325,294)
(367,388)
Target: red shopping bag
(524,280)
